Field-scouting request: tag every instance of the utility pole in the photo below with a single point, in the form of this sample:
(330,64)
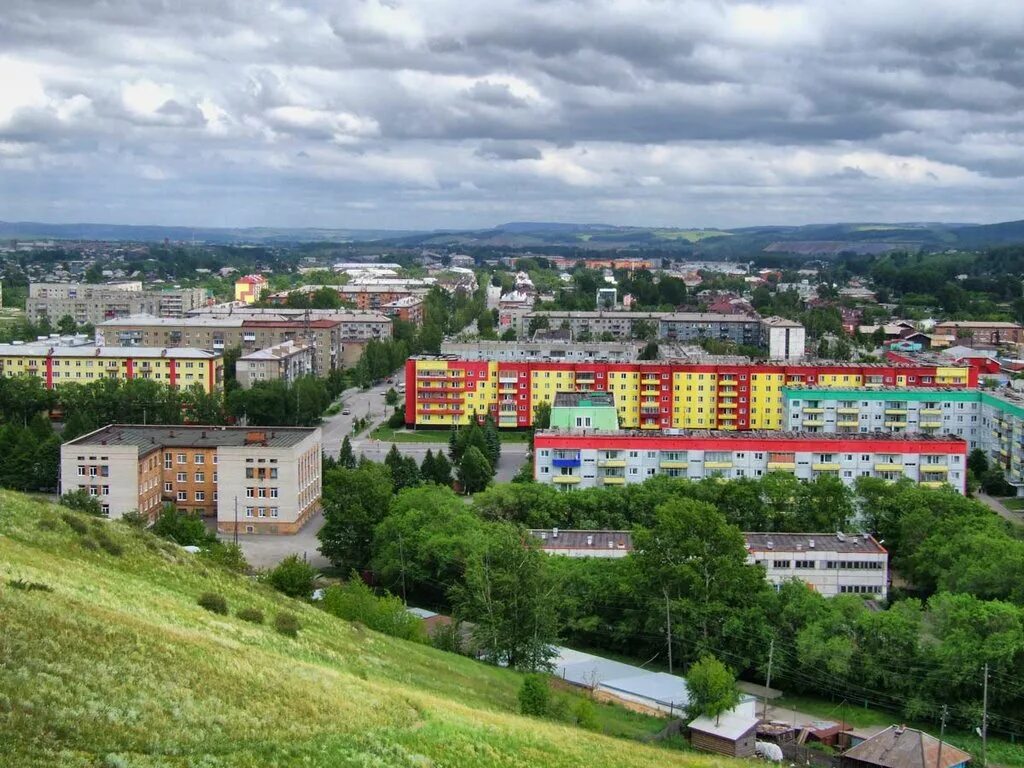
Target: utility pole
(942,735)
(668,630)
(768,680)
(401,554)
(984,720)
(236,521)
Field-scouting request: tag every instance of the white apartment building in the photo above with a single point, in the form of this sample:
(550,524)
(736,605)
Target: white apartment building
(830,563)
(571,458)
(284,362)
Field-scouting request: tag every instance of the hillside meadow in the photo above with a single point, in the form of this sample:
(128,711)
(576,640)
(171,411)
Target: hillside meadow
(107,660)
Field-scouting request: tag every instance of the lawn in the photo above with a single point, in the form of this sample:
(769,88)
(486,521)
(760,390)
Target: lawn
(1014,502)
(109,661)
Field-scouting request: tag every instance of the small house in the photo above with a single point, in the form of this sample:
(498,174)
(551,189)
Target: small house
(732,733)
(902,747)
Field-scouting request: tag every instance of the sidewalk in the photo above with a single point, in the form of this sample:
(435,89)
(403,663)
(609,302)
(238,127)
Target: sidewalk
(997,506)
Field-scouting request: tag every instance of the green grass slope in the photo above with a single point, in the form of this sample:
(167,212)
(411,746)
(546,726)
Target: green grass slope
(118,666)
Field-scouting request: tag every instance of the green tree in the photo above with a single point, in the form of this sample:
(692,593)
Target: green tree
(80,501)
(354,601)
(977,462)
(186,530)
(534,696)
(442,469)
(355,501)
(391,396)
(67,325)
(508,593)
(712,688)
(346,458)
(427,467)
(475,472)
(293,576)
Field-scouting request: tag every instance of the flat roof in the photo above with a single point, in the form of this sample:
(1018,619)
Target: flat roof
(752,434)
(812,366)
(846,543)
(192,321)
(278,351)
(50,350)
(152,437)
(584,400)
(559,538)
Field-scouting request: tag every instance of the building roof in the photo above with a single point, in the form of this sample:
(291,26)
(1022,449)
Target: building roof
(729,725)
(279,351)
(902,747)
(781,322)
(252,279)
(584,400)
(152,437)
(978,324)
(192,321)
(848,543)
(751,434)
(558,538)
(405,301)
(50,350)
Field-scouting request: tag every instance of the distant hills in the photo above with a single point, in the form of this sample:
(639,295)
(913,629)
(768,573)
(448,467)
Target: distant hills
(813,239)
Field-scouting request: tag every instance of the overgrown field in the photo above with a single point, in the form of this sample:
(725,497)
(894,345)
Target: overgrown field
(107,660)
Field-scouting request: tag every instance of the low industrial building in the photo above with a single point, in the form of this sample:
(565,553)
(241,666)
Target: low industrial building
(262,480)
(829,563)
(591,459)
(285,362)
(57,365)
(576,543)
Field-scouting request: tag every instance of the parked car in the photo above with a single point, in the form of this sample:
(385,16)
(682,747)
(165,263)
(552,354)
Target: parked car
(345,412)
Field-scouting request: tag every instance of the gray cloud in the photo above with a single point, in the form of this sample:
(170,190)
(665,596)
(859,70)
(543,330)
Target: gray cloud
(421,113)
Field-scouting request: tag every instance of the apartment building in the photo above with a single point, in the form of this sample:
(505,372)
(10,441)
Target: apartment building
(829,563)
(96,303)
(592,459)
(377,292)
(250,288)
(990,420)
(178,367)
(649,395)
(408,309)
(784,339)
(229,332)
(981,332)
(262,480)
(356,325)
(285,362)
(561,349)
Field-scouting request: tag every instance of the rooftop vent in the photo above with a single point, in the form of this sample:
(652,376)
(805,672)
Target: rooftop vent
(554,533)
(770,544)
(590,541)
(810,543)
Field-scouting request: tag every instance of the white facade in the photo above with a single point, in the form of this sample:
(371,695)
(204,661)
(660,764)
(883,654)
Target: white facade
(785,340)
(830,563)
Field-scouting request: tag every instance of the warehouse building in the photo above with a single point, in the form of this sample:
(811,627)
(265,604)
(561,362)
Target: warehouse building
(829,563)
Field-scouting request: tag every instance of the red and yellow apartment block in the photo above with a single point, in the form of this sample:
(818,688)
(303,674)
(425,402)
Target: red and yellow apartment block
(178,367)
(648,395)
(249,288)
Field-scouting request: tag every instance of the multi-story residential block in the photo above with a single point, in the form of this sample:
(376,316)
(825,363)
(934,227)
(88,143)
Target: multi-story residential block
(591,459)
(356,325)
(249,288)
(96,303)
(230,331)
(409,309)
(981,332)
(654,395)
(377,292)
(829,563)
(784,339)
(546,350)
(179,367)
(262,480)
(285,362)
(583,410)
(990,420)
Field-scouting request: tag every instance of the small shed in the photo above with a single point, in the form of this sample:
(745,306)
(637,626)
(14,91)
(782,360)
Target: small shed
(902,747)
(732,733)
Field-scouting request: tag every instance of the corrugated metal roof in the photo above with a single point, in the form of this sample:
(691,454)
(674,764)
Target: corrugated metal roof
(823,542)
(902,747)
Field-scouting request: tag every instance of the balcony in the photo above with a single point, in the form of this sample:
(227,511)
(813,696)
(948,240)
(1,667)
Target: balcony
(931,411)
(889,467)
(566,462)
(847,423)
(726,404)
(826,466)
(895,424)
(931,424)
(814,410)
(717,465)
(895,411)
(726,416)
(932,484)
(781,466)
(611,463)
(848,411)
(669,464)
(813,423)
(565,479)
(613,480)
(934,469)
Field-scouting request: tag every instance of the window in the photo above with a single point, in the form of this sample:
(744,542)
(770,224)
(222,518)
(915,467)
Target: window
(199,458)
(249,473)
(167,460)
(182,477)
(274,511)
(182,458)
(168,487)
(262,493)
(781,564)
(273,493)
(248,511)
(200,495)
(182,496)
(250,493)
(803,563)
(81,470)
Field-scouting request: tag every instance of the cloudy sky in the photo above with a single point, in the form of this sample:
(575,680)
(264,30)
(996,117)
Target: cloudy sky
(454,113)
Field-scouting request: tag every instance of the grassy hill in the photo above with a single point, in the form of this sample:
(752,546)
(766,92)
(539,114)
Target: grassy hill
(114,664)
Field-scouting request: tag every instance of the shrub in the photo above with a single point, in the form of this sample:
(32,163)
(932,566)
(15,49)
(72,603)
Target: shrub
(252,615)
(90,544)
(214,602)
(287,624)
(585,715)
(48,524)
(29,586)
(81,501)
(228,555)
(76,523)
(293,576)
(355,601)
(135,519)
(534,696)
(108,545)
